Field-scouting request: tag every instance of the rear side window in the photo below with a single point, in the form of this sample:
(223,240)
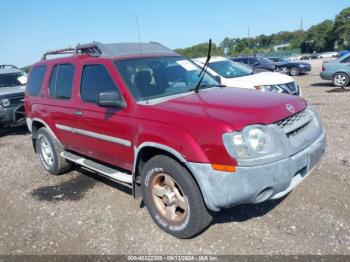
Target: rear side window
(61,81)
(95,80)
(346,60)
(35,80)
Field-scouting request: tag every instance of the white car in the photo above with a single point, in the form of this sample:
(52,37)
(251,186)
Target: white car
(328,55)
(233,74)
(293,58)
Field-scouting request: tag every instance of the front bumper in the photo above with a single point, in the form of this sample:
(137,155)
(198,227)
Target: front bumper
(12,115)
(257,183)
(304,69)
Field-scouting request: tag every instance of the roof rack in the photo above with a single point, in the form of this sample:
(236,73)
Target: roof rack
(90,49)
(111,50)
(8,66)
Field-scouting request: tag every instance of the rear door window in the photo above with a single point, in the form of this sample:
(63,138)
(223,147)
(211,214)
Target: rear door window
(346,60)
(61,81)
(95,80)
(35,80)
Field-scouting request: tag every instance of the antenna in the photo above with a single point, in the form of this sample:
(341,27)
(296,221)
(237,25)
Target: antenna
(140,47)
(138,33)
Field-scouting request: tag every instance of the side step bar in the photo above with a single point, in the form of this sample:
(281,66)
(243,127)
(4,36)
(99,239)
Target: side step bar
(99,168)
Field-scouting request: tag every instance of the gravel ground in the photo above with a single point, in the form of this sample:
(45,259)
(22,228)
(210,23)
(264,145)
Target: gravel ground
(79,213)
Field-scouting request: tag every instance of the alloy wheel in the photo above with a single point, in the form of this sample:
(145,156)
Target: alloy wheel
(169,198)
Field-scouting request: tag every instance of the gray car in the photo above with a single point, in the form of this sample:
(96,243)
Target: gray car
(338,71)
(12,87)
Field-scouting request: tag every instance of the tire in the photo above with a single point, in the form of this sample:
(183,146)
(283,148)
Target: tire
(180,199)
(49,151)
(294,71)
(341,79)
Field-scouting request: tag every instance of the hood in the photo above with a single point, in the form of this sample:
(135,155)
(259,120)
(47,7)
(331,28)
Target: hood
(236,107)
(263,78)
(4,91)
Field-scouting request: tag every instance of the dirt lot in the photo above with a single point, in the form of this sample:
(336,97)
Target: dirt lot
(79,213)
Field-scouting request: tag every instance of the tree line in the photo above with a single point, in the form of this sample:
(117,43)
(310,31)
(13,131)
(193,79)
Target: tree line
(328,35)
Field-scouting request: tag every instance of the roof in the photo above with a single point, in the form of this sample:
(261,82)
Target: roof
(9,70)
(8,67)
(115,50)
(245,56)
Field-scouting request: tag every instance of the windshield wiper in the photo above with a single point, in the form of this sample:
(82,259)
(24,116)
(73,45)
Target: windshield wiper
(204,69)
(254,61)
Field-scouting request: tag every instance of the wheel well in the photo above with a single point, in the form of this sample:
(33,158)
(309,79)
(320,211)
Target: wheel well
(143,156)
(147,153)
(340,72)
(35,127)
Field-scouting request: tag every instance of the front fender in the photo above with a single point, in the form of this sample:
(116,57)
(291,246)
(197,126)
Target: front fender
(175,140)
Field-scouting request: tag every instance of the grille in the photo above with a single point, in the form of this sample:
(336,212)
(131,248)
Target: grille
(292,120)
(16,100)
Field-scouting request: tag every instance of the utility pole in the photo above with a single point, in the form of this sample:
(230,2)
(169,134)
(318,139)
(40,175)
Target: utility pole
(301,24)
(248,32)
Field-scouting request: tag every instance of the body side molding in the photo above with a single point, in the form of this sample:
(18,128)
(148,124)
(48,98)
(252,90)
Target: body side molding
(112,139)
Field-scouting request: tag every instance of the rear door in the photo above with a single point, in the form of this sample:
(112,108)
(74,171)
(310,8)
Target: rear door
(102,133)
(59,100)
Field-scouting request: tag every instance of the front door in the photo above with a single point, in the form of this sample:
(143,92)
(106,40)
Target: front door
(102,133)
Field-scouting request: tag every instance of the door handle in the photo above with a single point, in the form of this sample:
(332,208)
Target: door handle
(78,113)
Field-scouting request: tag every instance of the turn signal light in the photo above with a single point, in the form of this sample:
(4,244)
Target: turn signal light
(224,168)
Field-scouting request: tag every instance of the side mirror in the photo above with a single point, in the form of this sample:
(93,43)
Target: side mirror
(218,79)
(257,63)
(110,99)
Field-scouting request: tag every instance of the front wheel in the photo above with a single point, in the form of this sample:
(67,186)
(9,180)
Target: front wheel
(294,71)
(340,80)
(173,198)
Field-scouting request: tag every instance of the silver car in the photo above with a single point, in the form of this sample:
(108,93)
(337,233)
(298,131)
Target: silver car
(12,87)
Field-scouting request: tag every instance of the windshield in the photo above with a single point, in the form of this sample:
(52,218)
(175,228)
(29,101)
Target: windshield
(263,60)
(156,77)
(230,69)
(12,79)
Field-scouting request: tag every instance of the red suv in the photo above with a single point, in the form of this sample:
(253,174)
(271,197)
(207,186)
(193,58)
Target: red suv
(136,114)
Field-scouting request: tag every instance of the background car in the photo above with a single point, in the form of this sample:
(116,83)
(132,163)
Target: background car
(305,57)
(294,58)
(338,71)
(234,74)
(343,52)
(256,70)
(294,68)
(12,87)
(258,62)
(328,55)
(315,56)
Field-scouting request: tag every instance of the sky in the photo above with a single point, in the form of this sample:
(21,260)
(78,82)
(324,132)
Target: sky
(28,28)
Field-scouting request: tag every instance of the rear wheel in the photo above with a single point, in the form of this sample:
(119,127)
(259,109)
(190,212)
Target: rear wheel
(49,151)
(173,198)
(340,80)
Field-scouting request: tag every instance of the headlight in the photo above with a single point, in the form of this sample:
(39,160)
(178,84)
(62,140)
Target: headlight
(5,102)
(257,139)
(270,88)
(253,142)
